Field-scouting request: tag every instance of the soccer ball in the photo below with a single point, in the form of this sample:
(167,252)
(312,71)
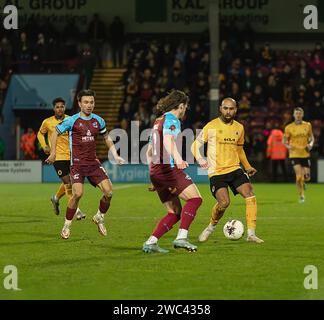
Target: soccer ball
(233,230)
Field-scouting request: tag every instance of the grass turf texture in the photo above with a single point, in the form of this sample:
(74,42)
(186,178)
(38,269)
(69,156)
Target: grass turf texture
(89,266)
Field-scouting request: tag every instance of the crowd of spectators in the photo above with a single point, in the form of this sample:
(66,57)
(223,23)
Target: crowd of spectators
(266,83)
(42,48)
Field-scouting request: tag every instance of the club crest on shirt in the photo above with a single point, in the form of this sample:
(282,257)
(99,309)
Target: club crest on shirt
(172,128)
(95,125)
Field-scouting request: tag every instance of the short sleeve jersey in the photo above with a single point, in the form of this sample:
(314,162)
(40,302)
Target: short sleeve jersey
(168,124)
(82,135)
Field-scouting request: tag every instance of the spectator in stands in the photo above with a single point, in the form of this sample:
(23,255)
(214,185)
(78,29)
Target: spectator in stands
(117,40)
(23,52)
(97,37)
(27,145)
(6,53)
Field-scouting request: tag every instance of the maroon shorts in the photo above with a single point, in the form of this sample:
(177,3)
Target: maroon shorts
(170,183)
(95,173)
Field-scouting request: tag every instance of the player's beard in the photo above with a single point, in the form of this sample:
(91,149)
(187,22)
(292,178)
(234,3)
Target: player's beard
(227,119)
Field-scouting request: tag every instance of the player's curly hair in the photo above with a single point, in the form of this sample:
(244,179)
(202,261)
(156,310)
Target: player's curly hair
(171,101)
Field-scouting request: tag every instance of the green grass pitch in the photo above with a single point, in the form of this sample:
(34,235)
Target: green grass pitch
(89,266)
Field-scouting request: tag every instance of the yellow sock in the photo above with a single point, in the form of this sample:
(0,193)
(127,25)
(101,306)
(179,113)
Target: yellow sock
(68,191)
(300,185)
(60,192)
(251,212)
(216,214)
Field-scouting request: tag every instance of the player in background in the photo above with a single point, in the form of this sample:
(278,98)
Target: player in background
(225,153)
(62,162)
(167,176)
(84,128)
(299,140)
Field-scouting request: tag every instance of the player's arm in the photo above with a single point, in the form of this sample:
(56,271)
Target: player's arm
(111,147)
(171,148)
(196,147)
(65,126)
(242,156)
(52,156)
(286,139)
(149,154)
(311,140)
(41,138)
(245,162)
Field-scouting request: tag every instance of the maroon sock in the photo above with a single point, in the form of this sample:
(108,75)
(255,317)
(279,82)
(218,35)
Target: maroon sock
(104,205)
(70,213)
(189,212)
(165,225)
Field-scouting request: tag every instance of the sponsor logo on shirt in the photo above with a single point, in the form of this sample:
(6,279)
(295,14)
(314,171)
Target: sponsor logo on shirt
(88,138)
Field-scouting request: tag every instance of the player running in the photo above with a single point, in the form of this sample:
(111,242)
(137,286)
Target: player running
(84,127)
(299,140)
(62,162)
(225,138)
(167,176)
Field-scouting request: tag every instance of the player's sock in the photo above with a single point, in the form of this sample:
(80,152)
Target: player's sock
(103,207)
(188,214)
(70,213)
(251,214)
(165,225)
(68,190)
(216,214)
(60,192)
(302,186)
(152,240)
(67,223)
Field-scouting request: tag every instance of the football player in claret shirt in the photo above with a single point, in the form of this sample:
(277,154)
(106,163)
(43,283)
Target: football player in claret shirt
(62,161)
(225,140)
(299,140)
(167,176)
(83,129)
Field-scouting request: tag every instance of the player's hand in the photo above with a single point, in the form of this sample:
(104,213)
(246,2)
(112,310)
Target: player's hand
(51,159)
(203,163)
(251,172)
(120,161)
(182,165)
(47,150)
(309,148)
(151,188)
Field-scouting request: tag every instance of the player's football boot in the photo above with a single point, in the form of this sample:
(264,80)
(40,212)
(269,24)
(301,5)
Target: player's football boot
(80,215)
(184,244)
(100,224)
(206,233)
(254,239)
(149,248)
(65,233)
(301,200)
(56,205)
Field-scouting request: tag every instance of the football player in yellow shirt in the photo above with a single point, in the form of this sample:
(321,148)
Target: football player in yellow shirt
(299,140)
(62,163)
(225,153)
